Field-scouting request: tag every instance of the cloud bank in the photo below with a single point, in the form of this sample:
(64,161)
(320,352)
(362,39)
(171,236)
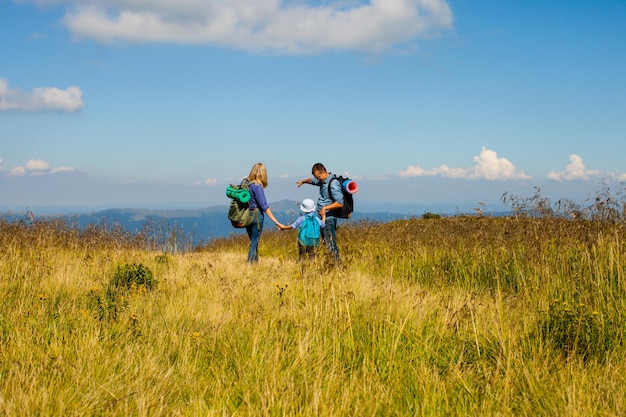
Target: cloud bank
(487,167)
(270,26)
(33,168)
(576,170)
(41,98)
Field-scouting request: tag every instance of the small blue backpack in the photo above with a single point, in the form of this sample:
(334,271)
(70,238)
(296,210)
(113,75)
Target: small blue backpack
(309,230)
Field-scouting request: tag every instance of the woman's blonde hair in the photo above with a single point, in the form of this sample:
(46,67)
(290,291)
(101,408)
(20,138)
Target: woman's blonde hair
(258,174)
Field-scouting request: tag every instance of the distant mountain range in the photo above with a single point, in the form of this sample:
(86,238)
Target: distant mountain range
(201,225)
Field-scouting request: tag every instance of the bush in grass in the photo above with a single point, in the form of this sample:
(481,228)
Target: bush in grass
(428,215)
(133,275)
(575,330)
(127,278)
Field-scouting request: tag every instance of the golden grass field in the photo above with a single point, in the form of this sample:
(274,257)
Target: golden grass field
(458,316)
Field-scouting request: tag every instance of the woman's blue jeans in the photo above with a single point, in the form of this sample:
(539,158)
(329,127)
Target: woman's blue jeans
(254,233)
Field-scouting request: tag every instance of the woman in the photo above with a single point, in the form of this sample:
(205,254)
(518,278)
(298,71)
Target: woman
(258,205)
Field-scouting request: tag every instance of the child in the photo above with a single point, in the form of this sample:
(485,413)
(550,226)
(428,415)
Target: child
(308,225)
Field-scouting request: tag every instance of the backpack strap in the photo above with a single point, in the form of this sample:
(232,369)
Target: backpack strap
(330,194)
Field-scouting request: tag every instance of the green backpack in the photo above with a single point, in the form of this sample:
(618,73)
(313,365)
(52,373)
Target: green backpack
(239,212)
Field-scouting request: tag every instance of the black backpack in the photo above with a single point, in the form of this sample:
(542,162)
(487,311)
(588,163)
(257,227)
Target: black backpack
(348,200)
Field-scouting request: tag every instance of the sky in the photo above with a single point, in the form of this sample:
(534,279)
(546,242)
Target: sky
(424,103)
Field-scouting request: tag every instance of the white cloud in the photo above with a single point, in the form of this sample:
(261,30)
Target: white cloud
(576,170)
(210,182)
(61,169)
(41,98)
(288,26)
(17,172)
(488,167)
(36,167)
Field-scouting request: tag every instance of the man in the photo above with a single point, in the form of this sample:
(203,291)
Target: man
(329,201)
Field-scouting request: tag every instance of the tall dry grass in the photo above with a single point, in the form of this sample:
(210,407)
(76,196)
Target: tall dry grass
(465,315)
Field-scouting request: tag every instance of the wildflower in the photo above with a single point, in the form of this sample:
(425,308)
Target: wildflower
(42,297)
(195,335)
(281,288)
(133,317)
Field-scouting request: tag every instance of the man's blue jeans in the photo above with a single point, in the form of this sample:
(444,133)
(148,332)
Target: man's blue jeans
(254,233)
(329,235)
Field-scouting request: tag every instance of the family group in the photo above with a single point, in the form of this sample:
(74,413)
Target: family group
(317,222)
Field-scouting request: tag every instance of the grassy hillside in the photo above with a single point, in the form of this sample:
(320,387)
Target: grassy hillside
(450,316)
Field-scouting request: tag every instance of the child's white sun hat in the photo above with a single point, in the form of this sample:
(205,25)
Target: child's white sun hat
(307,205)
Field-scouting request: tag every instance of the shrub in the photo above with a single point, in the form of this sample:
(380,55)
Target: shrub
(575,330)
(130,274)
(429,215)
(133,278)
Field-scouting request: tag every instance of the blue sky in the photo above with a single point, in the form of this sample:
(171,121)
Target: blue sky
(162,104)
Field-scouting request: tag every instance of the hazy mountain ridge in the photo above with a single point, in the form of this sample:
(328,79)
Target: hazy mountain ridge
(202,224)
